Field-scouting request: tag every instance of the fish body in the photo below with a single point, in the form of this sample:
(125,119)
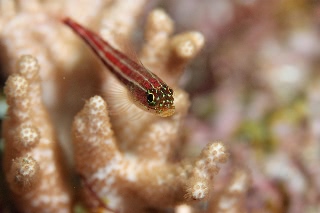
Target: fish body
(145,88)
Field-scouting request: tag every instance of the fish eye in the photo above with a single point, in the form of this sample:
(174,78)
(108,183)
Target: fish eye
(151,99)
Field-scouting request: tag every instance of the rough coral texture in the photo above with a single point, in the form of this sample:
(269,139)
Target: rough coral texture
(31,158)
(119,178)
(127,159)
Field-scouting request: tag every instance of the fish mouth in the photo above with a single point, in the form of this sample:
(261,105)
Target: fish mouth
(167,112)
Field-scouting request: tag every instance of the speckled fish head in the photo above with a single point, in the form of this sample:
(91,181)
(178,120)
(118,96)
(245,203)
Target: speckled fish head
(160,101)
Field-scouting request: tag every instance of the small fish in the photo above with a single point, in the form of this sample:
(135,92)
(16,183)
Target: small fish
(145,88)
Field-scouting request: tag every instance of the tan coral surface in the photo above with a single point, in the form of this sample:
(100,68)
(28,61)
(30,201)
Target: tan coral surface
(32,160)
(127,159)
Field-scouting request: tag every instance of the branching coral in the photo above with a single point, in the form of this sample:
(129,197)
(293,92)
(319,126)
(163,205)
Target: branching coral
(32,159)
(120,179)
(142,170)
(128,160)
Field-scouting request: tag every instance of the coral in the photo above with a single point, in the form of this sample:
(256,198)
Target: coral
(128,160)
(32,157)
(254,84)
(120,179)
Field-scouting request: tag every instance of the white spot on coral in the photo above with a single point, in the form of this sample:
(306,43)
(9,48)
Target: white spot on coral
(199,190)
(108,141)
(18,86)
(96,105)
(50,168)
(112,199)
(52,200)
(45,141)
(27,136)
(218,150)
(106,171)
(28,66)
(40,154)
(183,209)
(80,124)
(131,171)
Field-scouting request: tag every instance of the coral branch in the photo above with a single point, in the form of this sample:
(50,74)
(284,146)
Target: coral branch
(24,175)
(31,150)
(167,55)
(116,177)
(93,138)
(206,167)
